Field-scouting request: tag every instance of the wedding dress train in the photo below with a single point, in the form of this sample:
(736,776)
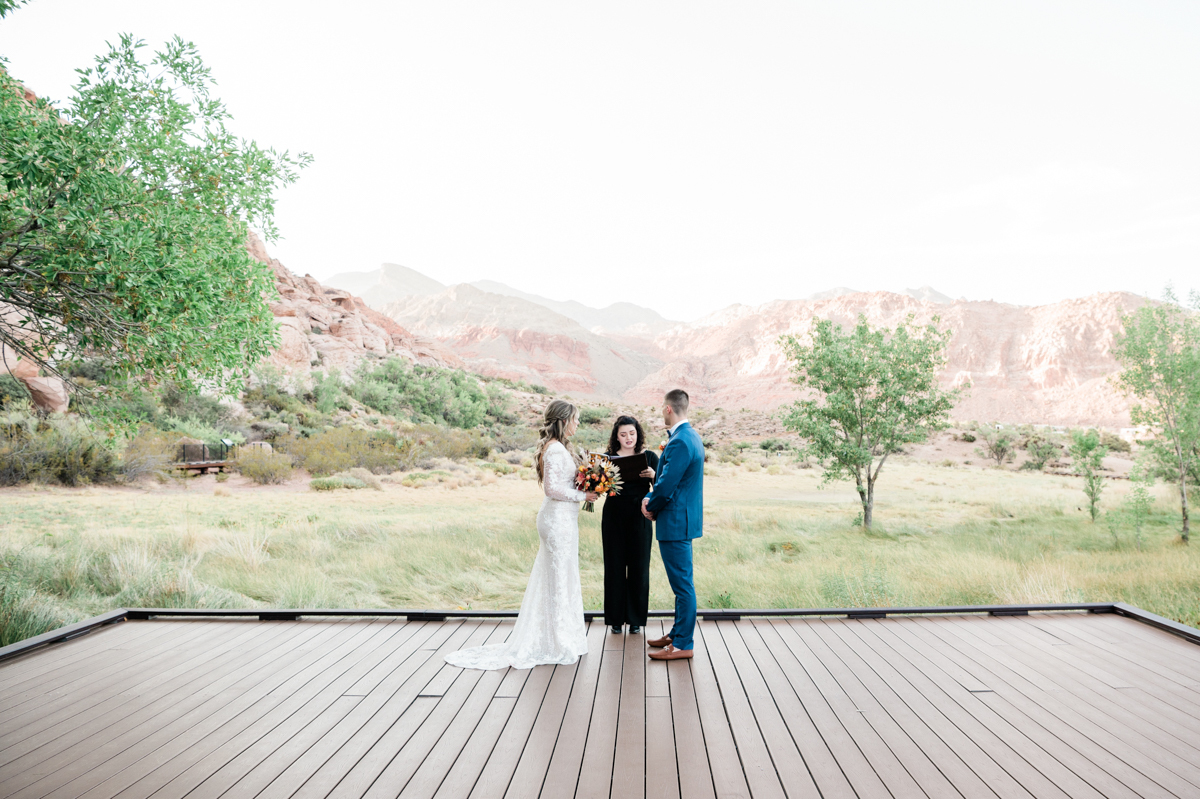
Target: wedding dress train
(550,627)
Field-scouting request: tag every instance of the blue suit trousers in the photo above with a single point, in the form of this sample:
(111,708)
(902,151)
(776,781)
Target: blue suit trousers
(677,560)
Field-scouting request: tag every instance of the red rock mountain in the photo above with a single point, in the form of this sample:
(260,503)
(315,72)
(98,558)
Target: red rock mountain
(1045,364)
(329,328)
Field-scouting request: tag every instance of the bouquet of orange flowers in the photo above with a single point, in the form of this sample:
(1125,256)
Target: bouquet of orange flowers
(597,474)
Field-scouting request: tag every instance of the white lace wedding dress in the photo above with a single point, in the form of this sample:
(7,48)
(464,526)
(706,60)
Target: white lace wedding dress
(550,627)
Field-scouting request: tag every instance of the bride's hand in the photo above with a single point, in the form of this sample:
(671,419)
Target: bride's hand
(647,472)
(592,496)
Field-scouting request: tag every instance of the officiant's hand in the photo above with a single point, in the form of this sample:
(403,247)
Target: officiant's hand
(647,472)
(592,496)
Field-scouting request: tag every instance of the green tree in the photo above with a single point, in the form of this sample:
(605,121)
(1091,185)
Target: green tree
(1138,502)
(8,6)
(1159,349)
(998,445)
(874,390)
(1087,454)
(1040,452)
(124,220)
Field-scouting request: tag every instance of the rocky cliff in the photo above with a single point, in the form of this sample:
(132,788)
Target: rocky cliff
(331,328)
(510,337)
(1046,364)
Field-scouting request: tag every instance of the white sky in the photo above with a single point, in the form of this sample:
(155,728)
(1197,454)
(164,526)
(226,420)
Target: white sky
(688,155)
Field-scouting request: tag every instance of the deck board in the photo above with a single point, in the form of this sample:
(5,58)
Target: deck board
(1048,705)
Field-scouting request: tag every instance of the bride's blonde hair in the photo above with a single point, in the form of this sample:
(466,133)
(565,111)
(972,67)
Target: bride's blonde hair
(559,414)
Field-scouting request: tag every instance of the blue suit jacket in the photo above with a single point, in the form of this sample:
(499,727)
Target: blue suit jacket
(678,496)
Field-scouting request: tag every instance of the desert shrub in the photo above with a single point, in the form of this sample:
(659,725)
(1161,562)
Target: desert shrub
(62,451)
(1040,453)
(363,476)
(334,482)
(998,445)
(150,452)
(599,415)
(193,405)
(432,441)
(424,393)
(12,391)
(967,436)
(514,437)
(328,394)
(264,468)
(200,430)
(269,397)
(775,444)
(341,448)
(1114,443)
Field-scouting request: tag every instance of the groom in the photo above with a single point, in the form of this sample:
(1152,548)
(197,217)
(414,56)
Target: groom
(677,504)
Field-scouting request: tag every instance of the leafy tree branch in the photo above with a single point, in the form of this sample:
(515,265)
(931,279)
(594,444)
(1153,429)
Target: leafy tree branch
(124,219)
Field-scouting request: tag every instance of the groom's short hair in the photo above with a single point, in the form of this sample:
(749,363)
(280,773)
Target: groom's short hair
(677,398)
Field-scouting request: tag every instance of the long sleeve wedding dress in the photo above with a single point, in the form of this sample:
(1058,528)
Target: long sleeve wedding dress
(550,627)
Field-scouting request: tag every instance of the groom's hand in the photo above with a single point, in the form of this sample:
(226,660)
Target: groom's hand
(646,511)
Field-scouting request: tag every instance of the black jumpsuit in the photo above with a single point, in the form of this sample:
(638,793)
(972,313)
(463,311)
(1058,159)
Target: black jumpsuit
(627,536)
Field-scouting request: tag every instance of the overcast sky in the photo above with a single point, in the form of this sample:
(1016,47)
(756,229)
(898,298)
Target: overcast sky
(689,155)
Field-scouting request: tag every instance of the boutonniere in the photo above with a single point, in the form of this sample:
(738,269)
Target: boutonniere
(662,446)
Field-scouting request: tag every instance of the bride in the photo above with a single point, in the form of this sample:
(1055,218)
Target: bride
(550,627)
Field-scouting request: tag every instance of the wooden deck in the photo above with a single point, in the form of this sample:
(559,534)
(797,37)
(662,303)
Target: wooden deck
(1054,705)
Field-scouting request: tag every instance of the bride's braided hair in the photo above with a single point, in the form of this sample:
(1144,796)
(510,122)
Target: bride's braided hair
(559,414)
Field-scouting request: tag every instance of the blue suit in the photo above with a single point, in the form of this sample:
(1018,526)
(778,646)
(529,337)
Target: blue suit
(678,504)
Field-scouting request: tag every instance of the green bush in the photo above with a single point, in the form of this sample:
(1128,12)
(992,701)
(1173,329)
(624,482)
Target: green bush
(202,431)
(424,393)
(341,448)
(514,437)
(12,391)
(1114,442)
(62,451)
(150,452)
(335,482)
(1040,453)
(595,415)
(264,468)
(431,441)
(328,394)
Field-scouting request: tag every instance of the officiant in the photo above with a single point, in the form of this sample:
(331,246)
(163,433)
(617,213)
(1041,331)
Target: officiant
(626,534)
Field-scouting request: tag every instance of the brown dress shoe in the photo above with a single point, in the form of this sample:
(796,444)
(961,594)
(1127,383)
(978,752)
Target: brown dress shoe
(671,653)
(660,642)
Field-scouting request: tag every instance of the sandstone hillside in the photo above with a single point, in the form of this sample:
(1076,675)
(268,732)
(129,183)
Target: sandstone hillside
(331,328)
(511,337)
(1045,364)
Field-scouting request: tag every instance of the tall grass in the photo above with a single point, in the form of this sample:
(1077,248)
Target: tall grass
(943,537)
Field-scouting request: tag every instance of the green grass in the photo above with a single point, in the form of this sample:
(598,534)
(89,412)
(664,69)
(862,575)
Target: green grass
(943,536)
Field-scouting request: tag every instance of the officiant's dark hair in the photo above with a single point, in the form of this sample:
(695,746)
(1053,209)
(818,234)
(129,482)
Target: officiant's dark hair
(614,444)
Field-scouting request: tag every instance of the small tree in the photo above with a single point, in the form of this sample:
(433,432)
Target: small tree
(124,219)
(1040,452)
(1138,501)
(1159,349)
(876,390)
(998,445)
(1087,453)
